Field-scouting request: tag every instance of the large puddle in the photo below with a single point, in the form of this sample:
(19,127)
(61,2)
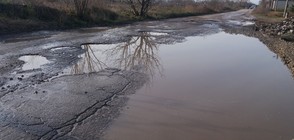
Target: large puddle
(219,86)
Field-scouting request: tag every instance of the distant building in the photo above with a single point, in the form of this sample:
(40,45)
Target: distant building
(280,4)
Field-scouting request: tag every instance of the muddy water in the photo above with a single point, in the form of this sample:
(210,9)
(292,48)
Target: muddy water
(220,86)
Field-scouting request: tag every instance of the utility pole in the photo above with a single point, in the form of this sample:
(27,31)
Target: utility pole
(271,4)
(276,5)
(285,15)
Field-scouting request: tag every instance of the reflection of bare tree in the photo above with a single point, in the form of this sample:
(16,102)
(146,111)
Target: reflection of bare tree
(89,62)
(138,53)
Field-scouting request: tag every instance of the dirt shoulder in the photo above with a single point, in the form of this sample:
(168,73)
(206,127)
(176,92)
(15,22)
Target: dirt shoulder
(275,26)
(278,35)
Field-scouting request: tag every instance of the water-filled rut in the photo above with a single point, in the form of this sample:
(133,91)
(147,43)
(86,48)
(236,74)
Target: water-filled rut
(219,86)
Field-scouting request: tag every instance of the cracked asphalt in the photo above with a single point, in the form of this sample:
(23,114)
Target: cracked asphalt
(79,105)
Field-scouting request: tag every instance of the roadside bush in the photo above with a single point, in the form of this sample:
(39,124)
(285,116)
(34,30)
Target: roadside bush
(46,13)
(16,11)
(29,12)
(216,5)
(103,14)
(262,8)
(203,9)
(81,7)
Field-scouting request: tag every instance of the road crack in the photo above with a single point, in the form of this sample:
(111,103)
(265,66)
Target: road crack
(70,125)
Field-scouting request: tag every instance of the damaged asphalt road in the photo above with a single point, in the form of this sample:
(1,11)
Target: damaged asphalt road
(46,102)
(79,105)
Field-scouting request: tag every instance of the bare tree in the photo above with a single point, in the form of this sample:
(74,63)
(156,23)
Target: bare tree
(285,14)
(140,7)
(275,4)
(81,7)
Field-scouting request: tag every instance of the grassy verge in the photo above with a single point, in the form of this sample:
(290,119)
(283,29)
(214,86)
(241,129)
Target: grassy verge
(269,18)
(17,18)
(265,15)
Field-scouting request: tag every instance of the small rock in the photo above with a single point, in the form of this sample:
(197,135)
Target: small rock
(36,92)
(288,37)
(278,29)
(11,78)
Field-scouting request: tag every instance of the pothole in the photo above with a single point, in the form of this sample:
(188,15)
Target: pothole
(241,23)
(157,34)
(33,62)
(59,48)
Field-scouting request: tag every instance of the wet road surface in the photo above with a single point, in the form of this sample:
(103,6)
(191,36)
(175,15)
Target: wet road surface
(191,79)
(219,86)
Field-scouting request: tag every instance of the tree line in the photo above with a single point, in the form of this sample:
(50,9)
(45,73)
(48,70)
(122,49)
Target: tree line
(136,8)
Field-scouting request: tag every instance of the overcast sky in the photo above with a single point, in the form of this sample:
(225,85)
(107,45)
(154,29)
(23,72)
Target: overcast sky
(255,1)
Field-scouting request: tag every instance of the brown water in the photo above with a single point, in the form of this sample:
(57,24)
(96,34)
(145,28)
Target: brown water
(220,86)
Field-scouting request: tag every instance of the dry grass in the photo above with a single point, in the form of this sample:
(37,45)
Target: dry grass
(264,14)
(60,14)
(192,9)
(274,14)
(269,17)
